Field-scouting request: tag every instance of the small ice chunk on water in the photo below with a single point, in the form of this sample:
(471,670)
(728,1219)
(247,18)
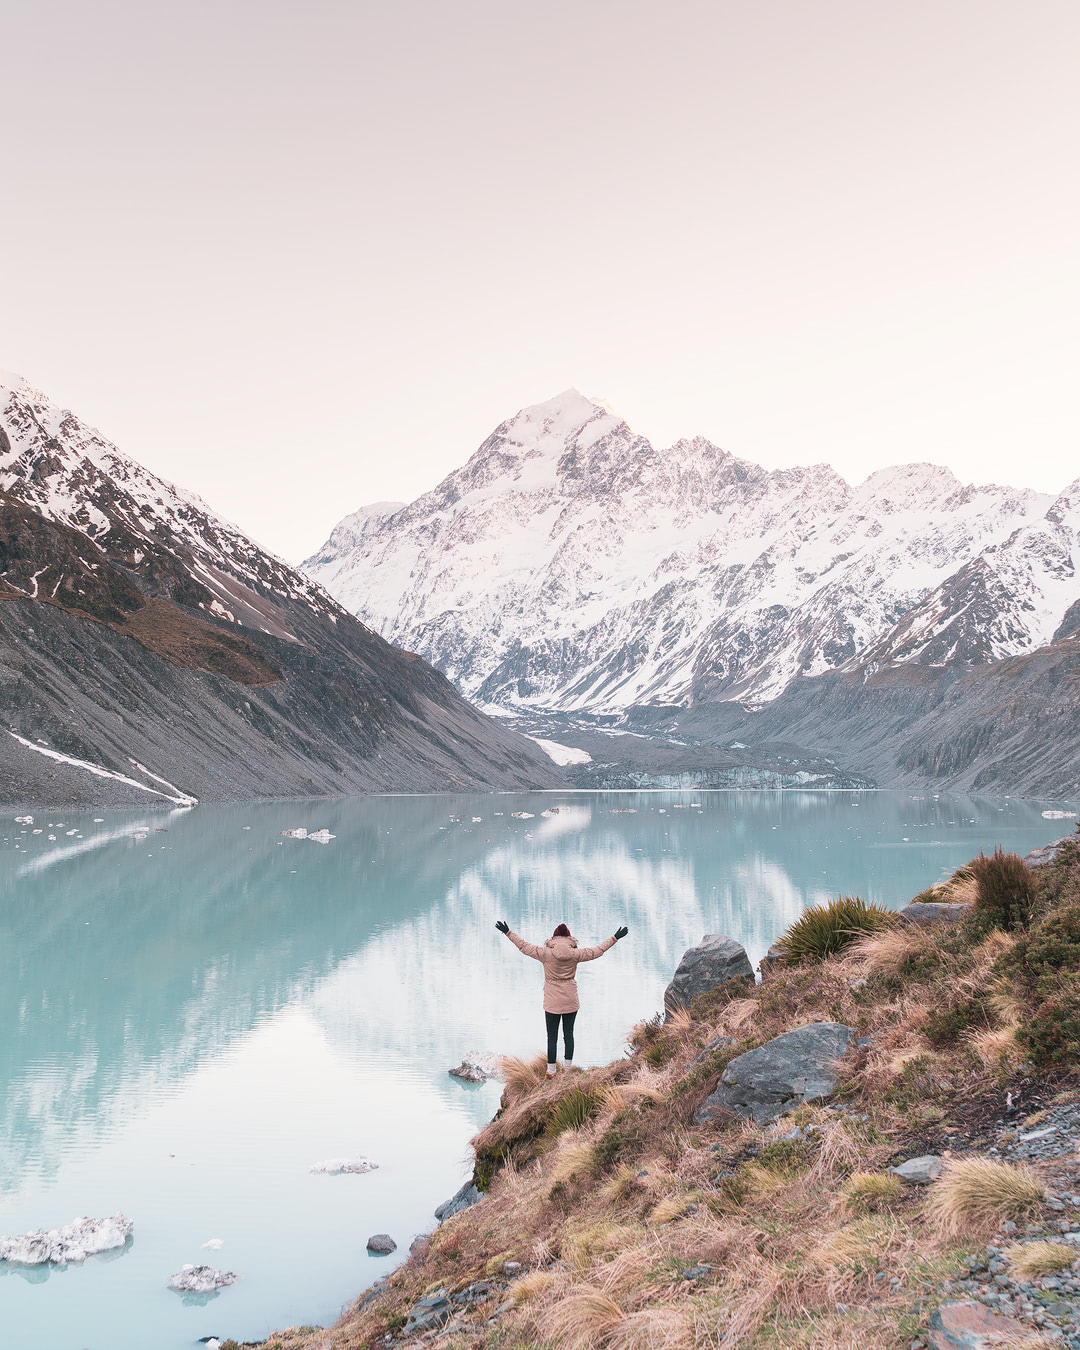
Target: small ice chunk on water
(299,833)
(522,815)
(477,820)
(213,1244)
(24,820)
(1058,815)
(201,1280)
(99,820)
(335,1167)
(476,1067)
(322,836)
(74,1242)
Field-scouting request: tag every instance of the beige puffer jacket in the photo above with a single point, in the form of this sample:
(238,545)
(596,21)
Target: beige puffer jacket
(560,956)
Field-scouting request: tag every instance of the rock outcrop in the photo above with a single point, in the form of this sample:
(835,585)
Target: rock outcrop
(462,1199)
(924,915)
(715,960)
(798,1066)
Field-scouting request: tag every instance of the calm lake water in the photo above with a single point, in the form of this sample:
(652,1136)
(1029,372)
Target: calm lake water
(197,1009)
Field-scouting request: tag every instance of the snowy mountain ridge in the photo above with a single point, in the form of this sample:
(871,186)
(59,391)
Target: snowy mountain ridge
(571,565)
(69,473)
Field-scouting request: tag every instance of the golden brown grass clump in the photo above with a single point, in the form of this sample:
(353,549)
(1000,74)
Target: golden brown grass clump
(977,1194)
(871,1190)
(582,1320)
(1033,1260)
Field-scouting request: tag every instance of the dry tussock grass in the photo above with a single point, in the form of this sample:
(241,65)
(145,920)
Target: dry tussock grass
(658,1328)
(871,1190)
(522,1075)
(532,1286)
(1033,1260)
(582,1320)
(582,1246)
(997,1047)
(575,1157)
(974,1195)
(888,951)
(736,1015)
(679,1021)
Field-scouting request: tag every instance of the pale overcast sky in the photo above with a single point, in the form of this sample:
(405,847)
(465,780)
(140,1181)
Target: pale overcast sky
(300,257)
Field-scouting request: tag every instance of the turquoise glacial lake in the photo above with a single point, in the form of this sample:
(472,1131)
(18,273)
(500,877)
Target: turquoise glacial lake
(197,1009)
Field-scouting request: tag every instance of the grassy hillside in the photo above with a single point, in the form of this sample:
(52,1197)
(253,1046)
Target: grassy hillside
(611,1220)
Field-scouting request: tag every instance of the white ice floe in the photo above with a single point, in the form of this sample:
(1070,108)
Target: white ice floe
(335,1167)
(476,1067)
(562,754)
(201,1280)
(74,1242)
(213,1245)
(317,836)
(24,820)
(522,815)
(180,799)
(1059,815)
(477,820)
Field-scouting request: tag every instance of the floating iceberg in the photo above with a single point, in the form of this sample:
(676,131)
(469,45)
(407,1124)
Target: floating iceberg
(1059,815)
(319,836)
(522,815)
(74,1242)
(476,1067)
(201,1280)
(24,820)
(322,836)
(334,1167)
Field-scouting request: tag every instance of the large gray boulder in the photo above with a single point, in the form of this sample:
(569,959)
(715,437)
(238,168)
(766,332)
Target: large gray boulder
(925,915)
(715,959)
(796,1067)
(429,1313)
(1048,854)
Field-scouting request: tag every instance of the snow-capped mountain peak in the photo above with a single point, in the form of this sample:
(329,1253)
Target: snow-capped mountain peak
(571,564)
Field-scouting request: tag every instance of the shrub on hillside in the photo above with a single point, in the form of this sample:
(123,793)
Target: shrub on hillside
(1052,1032)
(1049,954)
(825,929)
(1006,889)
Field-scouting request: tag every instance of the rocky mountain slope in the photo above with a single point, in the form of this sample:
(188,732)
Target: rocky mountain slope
(571,565)
(148,647)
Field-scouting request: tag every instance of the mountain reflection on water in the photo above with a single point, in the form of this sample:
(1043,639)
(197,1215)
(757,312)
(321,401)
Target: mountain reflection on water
(137,956)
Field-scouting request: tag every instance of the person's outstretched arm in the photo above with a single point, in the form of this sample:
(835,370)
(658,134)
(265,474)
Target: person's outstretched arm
(529,948)
(591,953)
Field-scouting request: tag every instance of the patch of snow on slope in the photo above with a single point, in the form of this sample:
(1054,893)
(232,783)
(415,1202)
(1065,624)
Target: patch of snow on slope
(181,798)
(562,754)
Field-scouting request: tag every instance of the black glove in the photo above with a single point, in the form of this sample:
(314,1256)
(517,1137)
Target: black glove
(502,926)
(621,933)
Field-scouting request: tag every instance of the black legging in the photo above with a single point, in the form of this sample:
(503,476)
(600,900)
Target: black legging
(552,1020)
